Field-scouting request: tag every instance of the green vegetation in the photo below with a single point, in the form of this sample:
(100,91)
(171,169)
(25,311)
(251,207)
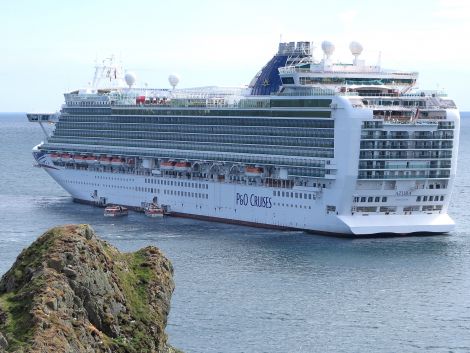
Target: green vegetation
(17,304)
(17,328)
(39,292)
(134,277)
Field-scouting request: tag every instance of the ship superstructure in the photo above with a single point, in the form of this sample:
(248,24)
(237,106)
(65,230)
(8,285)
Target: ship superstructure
(315,145)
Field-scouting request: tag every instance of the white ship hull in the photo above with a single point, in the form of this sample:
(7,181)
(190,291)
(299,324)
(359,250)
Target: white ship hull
(240,204)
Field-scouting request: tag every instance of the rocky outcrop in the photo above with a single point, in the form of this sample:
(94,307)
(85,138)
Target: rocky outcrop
(72,292)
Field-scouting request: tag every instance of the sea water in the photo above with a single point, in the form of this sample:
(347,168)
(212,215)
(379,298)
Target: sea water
(241,289)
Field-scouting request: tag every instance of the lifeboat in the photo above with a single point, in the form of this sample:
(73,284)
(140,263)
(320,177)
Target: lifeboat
(167,165)
(65,157)
(183,166)
(154,211)
(105,160)
(115,211)
(117,162)
(55,157)
(79,159)
(91,159)
(253,171)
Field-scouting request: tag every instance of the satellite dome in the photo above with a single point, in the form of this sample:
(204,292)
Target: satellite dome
(356,48)
(327,47)
(174,80)
(130,78)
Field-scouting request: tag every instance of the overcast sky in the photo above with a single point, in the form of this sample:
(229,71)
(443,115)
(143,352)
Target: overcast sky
(48,47)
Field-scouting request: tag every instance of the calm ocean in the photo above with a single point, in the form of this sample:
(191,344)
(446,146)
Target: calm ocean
(241,289)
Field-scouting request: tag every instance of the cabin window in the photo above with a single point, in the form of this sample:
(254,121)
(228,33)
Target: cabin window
(287,80)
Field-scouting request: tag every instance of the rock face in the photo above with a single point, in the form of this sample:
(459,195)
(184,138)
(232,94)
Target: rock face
(71,292)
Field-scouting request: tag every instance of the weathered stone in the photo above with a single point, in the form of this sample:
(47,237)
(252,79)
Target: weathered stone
(55,263)
(52,304)
(69,272)
(75,293)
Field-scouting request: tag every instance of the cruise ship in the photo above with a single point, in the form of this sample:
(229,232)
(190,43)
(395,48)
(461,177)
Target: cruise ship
(311,144)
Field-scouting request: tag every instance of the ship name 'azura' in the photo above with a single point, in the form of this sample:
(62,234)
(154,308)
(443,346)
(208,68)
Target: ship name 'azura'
(312,144)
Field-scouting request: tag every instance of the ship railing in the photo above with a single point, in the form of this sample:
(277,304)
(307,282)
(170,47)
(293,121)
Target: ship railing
(335,69)
(406,121)
(404,95)
(398,177)
(226,157)
(404,138)
(311,91)
(268,182)
(178,104)
(404,166)
(319,91)
(436,110)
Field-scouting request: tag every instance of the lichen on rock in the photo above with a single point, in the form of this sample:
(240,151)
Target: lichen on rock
(72,292)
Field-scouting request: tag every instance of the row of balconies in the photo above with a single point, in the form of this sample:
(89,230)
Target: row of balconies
(433,174)
(409,154)
(405,165)
(410,144)
(405,135)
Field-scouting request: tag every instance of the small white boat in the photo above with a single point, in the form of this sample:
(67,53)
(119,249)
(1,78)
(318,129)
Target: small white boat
(253,171)
(65,157)
(117,162)
(154,211)
(170,165)
(115,211)
(91,159)
(79,159)
(183,166)
(55,157)
(105,160)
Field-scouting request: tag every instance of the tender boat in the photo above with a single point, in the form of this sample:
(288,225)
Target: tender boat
(115,211)
(79,159)
(105,160)
(117,162)
(91,160)
(66,157)
(55,157)
(169,165)
(154,211)
(183,166)
(253,171)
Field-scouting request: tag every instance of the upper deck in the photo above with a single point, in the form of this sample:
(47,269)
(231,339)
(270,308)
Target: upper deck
(291,79)
(341,76)
(307,88)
